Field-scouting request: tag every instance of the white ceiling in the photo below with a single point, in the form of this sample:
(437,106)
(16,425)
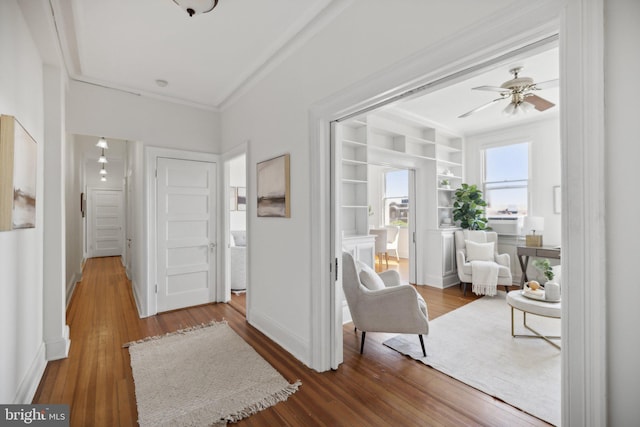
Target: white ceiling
(207,59)
(129,44)
(444,105)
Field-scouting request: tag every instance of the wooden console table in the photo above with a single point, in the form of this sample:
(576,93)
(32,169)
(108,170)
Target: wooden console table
(524,252)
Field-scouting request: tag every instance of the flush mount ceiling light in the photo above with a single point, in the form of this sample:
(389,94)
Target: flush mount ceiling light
(102,158)
(102,143)
(103,171)
(193,7)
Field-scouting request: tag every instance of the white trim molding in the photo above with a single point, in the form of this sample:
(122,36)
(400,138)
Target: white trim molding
(583,215)
(580,26)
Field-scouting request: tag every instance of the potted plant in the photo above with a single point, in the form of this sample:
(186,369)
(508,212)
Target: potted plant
(468,208)
(445,183)
(545,267)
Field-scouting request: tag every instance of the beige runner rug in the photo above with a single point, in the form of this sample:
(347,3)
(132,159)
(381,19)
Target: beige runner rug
(202,376)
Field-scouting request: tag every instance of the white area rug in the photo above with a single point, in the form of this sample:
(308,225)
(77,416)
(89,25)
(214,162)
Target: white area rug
(473,344)
(202,376)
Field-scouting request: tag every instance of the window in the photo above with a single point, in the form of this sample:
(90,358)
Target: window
(506,179)
(396,199)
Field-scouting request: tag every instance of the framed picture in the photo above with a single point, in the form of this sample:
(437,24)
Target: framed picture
(274,199)
(233,204)
(241,200)
(18,167)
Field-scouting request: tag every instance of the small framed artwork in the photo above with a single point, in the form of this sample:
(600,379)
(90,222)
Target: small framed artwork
(274,199)
(233,204)
(241,200)
(18,167)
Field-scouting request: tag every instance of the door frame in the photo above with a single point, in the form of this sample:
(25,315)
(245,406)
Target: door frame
(225,289)
(149,306)
(580,26)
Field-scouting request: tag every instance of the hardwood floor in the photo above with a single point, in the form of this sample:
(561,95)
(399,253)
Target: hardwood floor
(379,388)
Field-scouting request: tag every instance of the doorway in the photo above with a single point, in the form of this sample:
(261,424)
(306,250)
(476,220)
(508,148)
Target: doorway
(236,231)
(106,222)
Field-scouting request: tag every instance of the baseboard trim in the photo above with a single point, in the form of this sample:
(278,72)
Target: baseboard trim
(58,348)
(281,336)
(71,287)
(29,385)
(136,298)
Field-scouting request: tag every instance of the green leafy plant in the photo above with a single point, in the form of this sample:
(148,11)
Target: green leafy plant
(545,267)
(468,208)
(445,182)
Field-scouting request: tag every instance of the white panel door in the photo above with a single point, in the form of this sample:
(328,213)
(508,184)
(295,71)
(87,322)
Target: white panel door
(186,235)
(105,223)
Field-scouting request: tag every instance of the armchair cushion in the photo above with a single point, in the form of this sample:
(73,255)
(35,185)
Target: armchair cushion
(370,279)
(480,251)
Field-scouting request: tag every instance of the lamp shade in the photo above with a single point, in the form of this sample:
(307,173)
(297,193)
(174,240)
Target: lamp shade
(534,224)
(102,143)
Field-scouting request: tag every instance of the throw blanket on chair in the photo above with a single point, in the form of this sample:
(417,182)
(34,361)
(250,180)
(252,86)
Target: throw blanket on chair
(484,277)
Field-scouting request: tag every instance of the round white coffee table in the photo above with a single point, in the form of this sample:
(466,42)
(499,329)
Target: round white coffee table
(540,308)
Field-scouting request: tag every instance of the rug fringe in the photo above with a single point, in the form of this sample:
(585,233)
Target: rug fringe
(265,403)
(179,331)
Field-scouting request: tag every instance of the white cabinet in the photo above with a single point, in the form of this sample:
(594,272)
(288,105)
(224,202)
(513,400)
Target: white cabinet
(361,248)
(440,258)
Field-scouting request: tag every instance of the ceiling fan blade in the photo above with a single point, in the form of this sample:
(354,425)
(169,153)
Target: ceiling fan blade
(491,88)
(541,104)
(482,107)
(546,85)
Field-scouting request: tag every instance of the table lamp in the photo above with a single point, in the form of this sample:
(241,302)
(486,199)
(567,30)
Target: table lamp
(533,224)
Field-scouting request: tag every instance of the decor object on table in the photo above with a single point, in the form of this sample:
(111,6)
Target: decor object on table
(531,225)
(18,168)
(193,7)
(551,286)
(468,207)
(380,303)
(274,198)
(205,375)
(474,267)
(473,344)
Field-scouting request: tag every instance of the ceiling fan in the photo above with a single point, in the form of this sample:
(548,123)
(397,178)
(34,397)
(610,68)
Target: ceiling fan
(520,92)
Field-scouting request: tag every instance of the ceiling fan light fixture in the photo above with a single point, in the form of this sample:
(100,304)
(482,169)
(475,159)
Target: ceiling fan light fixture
(102,143)
(195,7)
(510,109)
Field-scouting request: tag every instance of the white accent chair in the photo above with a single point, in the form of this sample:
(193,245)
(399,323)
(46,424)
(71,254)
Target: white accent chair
(381,303)
(393,234)
(464,266)
(381,244)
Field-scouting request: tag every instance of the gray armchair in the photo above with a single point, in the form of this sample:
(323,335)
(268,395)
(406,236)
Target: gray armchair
(464,266)
(385,307)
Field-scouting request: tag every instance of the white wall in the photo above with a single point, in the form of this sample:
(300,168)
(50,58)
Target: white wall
(22,352)
(368,36)
(622,151)
(544,137)
(94,110)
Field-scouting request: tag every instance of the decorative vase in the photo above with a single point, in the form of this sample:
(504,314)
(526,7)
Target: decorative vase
(552,291)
